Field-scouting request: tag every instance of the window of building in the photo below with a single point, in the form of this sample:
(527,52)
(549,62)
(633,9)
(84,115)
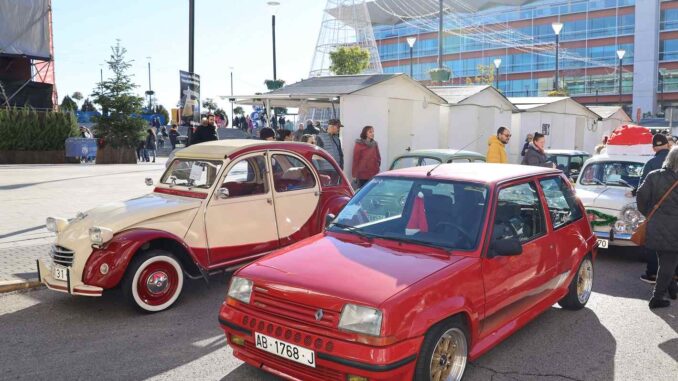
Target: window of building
(669,19)
(668,50)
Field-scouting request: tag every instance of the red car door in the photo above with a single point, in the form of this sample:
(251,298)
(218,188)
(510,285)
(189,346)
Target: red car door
(513,284)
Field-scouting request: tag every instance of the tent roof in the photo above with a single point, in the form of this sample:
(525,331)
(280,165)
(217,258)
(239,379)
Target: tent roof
(459,94)
(534,103)
(606,112)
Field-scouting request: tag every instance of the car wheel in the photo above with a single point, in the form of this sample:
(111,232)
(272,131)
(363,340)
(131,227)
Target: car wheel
(443,353)
(580,288)
(153,281)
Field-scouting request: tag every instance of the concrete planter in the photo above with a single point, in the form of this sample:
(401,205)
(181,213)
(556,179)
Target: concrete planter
(32,157)
(109,155)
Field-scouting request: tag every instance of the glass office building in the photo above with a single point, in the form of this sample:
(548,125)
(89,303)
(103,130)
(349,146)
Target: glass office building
(523,38)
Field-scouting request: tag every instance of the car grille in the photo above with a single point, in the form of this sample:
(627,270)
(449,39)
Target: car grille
(294,311)
(62,256)
(279,363)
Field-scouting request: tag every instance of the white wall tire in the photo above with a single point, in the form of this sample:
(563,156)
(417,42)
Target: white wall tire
(154,281)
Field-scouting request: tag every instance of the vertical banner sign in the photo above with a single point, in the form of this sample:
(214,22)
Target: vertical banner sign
(189,84)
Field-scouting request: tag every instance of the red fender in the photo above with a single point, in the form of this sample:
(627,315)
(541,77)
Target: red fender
(118,253)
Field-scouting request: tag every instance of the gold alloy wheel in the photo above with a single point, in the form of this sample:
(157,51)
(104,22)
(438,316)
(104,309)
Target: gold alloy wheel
(584,281)
(449,356)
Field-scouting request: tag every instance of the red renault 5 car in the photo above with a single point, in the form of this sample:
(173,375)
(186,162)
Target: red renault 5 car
(424,269)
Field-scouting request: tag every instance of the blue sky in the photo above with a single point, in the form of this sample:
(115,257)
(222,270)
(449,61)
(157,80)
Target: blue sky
(227,33)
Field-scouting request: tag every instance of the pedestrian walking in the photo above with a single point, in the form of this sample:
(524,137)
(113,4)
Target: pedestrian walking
(660,145)
(535,155)
(206,132)
(366,157)
(310,129)
(173,136)
(528,140)
(141,150)
(331,141)
(600,147)
(657,200)
(496,150)
(250,124)
(150,145)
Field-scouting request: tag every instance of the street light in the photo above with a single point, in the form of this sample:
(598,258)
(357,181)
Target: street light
(149,92)
(497,63)
(620,54)
(273,8)
(232,116)
(410,42)
(557,27)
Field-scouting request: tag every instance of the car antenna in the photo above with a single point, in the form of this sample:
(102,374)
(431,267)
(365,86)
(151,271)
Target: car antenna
(428,174)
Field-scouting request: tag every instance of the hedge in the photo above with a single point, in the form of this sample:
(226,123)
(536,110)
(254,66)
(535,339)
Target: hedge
(25,129)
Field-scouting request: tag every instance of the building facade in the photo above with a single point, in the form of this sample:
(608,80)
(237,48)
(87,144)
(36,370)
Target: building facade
(523,38)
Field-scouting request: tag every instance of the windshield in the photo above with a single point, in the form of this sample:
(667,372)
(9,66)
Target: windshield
(444,214)
(191,173)
(615,173)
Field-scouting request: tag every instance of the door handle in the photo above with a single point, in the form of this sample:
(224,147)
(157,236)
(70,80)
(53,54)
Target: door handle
(270,201)
(316,193)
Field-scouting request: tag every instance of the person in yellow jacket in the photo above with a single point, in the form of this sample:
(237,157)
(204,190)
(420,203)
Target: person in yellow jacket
(496,146)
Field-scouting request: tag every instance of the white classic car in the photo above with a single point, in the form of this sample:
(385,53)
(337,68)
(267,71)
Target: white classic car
(605,186)
(217,206)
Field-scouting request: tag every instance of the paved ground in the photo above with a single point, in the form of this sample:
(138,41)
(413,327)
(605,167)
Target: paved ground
(31,193)
(52,335)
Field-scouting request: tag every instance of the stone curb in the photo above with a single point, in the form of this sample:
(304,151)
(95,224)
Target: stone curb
(15,285)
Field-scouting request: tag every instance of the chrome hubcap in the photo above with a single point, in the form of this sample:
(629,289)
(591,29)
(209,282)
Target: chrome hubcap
(157,282)
(449,356)
(585,281)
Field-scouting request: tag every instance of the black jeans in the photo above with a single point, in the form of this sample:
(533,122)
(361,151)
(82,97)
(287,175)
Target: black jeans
(668,260)
(652,263)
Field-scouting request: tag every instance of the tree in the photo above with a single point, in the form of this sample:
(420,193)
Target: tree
(209,104)
(238,110)
(87,106)
(485,76)
(118,127)
(349,60)
(68,104)
(77,96)
(562,92)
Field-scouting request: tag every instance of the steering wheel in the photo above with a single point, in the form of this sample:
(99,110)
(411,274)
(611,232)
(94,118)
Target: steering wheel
(456,227)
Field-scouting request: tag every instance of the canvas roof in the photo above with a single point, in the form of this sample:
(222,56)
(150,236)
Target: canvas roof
(606,112)
(458,94)
(534,103)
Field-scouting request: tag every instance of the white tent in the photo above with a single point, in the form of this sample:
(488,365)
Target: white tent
(404,113)
(471,116)
(612,117)
(566,123)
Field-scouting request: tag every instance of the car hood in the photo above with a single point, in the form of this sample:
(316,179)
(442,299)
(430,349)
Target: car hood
(118,216)
(610,198)
(329,270)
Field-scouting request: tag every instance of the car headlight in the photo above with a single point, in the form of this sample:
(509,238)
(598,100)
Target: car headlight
(361,319)
(632,217)
(55,225)
(241,289)
(99,235)
(621,226)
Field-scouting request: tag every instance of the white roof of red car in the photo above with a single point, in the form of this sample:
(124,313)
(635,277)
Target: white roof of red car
(474,172)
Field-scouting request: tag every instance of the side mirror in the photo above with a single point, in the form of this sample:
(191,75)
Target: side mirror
(223,193)
(505,248)
(149,181)
(329,218)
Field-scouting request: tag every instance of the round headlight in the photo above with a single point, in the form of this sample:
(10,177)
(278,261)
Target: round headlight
(620,226)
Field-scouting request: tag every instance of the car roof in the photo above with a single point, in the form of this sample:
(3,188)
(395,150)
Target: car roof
(623,158)
(473,172)
(445,154)
(220,149)
(566,152)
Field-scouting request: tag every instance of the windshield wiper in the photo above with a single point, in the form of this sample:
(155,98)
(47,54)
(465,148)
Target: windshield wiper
(624,182)
(416,242)
(355,230)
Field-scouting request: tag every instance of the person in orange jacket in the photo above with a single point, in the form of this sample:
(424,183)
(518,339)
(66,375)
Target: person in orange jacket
(496,150)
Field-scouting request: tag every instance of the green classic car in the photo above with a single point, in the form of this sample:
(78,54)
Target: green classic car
(424,157)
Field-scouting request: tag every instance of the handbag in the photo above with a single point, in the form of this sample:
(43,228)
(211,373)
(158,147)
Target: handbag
(638,237)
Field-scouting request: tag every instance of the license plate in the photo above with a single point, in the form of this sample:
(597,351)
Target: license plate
(603,243)
(59,273)
(285,350)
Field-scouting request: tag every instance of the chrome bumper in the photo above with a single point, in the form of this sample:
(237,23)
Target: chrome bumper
(70,286)
(616,239)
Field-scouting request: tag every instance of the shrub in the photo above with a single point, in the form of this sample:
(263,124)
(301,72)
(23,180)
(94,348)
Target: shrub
(24,129)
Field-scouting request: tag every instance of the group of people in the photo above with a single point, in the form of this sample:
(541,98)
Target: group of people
(533,152)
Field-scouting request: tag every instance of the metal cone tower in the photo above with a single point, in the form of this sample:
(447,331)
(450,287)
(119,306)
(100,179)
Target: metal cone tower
(345,23)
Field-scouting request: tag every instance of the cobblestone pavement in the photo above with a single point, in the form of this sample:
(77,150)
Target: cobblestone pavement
(18,263)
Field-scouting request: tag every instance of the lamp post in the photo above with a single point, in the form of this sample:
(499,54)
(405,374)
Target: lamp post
(273,7)
(497,63)
(662,74)
(620,54)
(191,35)
(557,27)
(410,42)
(232,116)
(149,92)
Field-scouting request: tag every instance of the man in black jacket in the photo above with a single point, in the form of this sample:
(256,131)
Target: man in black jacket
(662,227)
(660,145)
(205,133)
